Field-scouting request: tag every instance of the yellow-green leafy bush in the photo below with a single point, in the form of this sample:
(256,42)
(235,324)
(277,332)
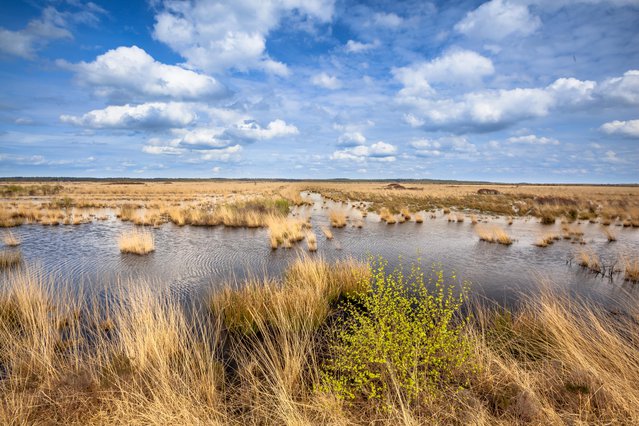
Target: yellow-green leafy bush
(402,337)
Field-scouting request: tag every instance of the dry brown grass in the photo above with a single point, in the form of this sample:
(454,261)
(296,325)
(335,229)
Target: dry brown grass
(547,239)
(386,216)
(9,239)
(311,241)
(631,269)
(337,218)
(493,234)
(258,359)
(419,218)
(589,260)
(327,233)
(284,231)
(136,242)
(10,258)
(610,234)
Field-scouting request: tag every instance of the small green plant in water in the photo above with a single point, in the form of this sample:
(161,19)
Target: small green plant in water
(403,337)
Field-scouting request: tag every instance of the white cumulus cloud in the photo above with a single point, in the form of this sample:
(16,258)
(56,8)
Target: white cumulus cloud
(326,81)
(218,35)
(130,70)
(145,116)
(379,151)
(628,128)
(498,19)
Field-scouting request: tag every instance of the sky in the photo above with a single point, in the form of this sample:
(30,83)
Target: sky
(504,90)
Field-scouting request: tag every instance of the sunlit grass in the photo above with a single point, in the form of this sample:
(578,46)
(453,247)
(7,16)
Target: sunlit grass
(136,242)
(10,239)
(493,234)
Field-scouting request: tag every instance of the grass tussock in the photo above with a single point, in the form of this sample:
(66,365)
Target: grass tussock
(10,239)
(311,241)
(337,218)
(136,242)
(493,234)
(285,231)
(590,261)
(327,233)
(419,218)
(547,239)
(631,269)
(386,216)
(10,259)
(321,346)
(609,233)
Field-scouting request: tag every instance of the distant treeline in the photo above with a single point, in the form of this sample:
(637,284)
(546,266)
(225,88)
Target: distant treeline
(133,181)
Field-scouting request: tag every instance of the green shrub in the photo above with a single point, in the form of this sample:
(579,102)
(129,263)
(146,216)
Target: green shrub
(403,335)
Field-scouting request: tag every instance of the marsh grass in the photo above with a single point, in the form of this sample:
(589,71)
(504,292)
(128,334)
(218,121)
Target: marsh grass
(337,218)
(137,242)
(493,234)
(10,258)
(284,231)
(631,269)
(547,239)
(259,357)
(327,233)
(419,218)
(9,239)
(311,241)
(589,260)
(609,233)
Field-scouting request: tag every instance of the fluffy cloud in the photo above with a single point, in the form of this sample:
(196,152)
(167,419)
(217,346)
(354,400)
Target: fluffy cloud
(250,130)
(130,70)
(388,20)
(498,19)
(350,139)
(443,146)
(488,110)
(484,110)
(379,151)
(217,35)
(153,115)
(24,43)
(628,128)
(353,46)
(460,67)
(326,81)
(533,140)
(624,88)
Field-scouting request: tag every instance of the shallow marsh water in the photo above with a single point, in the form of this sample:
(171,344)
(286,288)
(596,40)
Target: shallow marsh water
(189,259)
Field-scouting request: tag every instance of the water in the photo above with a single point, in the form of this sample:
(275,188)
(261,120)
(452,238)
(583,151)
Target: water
(190,259)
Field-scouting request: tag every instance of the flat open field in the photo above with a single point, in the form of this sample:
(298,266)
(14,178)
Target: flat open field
(272,302)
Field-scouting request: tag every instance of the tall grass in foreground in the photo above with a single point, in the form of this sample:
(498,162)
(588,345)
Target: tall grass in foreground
(136,242)
(266,355)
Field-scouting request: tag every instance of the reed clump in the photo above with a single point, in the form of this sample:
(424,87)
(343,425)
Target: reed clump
(589,260)
(493,234)
(137,242)
(327,233)
(10,258)
(419,218)
(386,216)
(547,239)
(311,241)
(284,231)
(337,218)
(609,233)
(631,269)
(10,239)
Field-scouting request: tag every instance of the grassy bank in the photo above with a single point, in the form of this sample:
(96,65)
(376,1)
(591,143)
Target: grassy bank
(344,343)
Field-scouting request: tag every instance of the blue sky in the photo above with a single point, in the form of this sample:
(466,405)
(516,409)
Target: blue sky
(504,90)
